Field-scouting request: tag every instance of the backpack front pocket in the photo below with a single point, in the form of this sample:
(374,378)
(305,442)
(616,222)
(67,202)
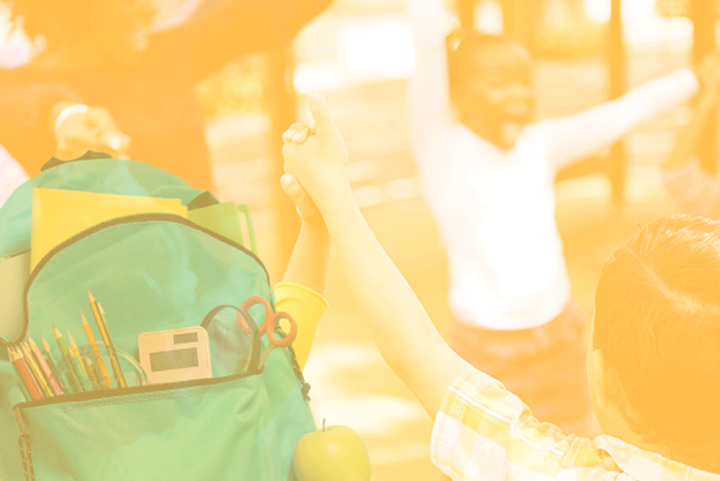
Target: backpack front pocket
(218,429)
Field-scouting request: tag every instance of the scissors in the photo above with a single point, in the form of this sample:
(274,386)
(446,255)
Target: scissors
(268,326)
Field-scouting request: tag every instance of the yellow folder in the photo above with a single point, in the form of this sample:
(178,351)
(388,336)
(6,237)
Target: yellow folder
(58,215)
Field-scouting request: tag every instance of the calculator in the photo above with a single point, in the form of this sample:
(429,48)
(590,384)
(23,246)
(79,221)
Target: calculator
(175,355)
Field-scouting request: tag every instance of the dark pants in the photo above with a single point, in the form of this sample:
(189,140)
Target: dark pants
(543,366)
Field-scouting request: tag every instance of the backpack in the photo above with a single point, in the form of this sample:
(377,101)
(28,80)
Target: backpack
(151,272)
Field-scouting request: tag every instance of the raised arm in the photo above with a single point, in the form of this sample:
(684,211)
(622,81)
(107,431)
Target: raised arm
(225,30)
(403,332)
(696,191)
(572,138)
(300,292)
(429,85)
(41,120)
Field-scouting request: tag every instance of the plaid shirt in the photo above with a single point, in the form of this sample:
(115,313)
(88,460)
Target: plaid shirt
(483,432)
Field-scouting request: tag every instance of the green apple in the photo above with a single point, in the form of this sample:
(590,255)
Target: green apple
(335,453)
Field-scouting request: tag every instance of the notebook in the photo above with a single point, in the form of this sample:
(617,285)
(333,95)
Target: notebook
(14,273)
(224,219)
(58,215)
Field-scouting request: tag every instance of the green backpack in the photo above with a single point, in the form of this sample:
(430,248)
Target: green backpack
(151,272)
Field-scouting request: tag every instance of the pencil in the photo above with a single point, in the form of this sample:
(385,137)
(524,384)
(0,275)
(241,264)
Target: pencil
(105,334)
(94,379)
(73,375)
(76,353)
(96,352)
(112,346)
(30,382)
(51,364)
(45,368)
(83,380)
(24,375)
(37,371)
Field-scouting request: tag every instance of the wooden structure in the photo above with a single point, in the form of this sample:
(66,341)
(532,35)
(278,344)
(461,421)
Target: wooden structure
(281,96)
(703,15)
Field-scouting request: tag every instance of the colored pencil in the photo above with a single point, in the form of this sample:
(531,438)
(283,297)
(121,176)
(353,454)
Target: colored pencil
(73,376)
(76,354)
(105,334)
(23,374)
(27,378)
(82,378)
(52,382)
(94,379)
(96,352)
(52,365)
(123,383)
(37,372)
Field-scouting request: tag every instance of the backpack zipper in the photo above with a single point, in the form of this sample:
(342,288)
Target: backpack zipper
(111,393)
(25,443)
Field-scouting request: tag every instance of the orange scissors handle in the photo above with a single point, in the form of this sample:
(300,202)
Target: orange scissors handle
(289,337)
(271,321)
(250,302)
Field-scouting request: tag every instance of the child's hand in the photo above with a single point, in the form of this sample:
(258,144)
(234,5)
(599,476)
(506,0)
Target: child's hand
(316,156)
(306,208)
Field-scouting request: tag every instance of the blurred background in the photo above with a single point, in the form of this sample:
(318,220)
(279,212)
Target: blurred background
(359,54)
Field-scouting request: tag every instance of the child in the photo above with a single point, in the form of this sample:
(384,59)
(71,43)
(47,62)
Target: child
(653,368)
(489,182)
(696,191)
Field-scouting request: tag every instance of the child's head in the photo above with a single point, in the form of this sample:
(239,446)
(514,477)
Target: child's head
(490,77)
(655,368)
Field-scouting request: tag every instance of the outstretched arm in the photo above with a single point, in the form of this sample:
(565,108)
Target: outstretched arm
(405,335)
(695,191)
(689,136)
(227,29)
(575,137)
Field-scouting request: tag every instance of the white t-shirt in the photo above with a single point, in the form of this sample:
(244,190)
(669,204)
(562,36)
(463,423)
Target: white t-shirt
(11,175)
(495,209)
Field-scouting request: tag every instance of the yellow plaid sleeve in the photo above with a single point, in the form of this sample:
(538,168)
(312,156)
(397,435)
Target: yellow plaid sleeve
(483,432)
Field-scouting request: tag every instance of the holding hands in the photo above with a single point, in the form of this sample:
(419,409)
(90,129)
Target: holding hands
(315,161)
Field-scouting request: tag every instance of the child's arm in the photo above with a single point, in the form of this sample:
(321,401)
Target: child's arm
(309,260)
(300,292)
(696,191)
(575,137)
(688,138)
(405,335)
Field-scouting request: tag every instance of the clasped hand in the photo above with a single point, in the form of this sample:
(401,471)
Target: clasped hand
(315,160)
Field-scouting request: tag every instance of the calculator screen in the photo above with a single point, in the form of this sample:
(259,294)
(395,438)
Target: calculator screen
(176,359)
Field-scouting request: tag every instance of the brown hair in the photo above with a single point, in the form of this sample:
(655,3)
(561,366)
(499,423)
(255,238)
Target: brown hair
(657,320)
